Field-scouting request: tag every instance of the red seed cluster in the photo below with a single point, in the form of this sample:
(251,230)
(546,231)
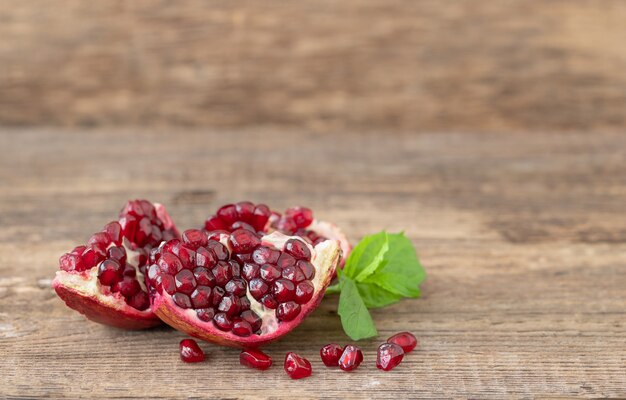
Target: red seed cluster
(244,215)
(294,223)
(142,227)
(203,274)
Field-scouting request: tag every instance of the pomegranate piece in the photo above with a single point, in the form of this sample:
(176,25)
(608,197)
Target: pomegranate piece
(330,354)
(406,340)
(389,356)
(256,359)
(297,367)
(242,301)
(351,358)
(99,279)
(190,352)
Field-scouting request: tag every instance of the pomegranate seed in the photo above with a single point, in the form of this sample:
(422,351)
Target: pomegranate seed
(218,293)
(243,241)
(100,239)
(91,257)
(214,223)
(304,292)
(261,215)
(204,277)
(283,290)
(285,260)
(235,269)
(269,272)
(201,297)
(253,319)
(130,271)
(206,314)
(185,281)
(242,258)
(78,250)
(254,358)
(243,225)
(71,262)
(228,214)
(118,253)
(406,340)
(236,286)
(190,352)
(242,328)
(293,273)
(129,226)
(245,211)
(195,238)
(250,271)
(244,303)
(222,273)
(351,358)
(187,256)
(171,246)
(301,216)
(287,311)
(220,251)
(181,300)
(205,258)
(114,231)
(298,249)
(109,272)
(140,301)
(229,305)
(297,367)
(258,288)
(127,287)
(166,283)
(169,263)
(265,255)
(331,353)
(389,356)
(286,225)
(269,301)
(222,322)
(307,269)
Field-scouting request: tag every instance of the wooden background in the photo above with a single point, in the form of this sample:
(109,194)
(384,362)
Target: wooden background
(492,133)
(391,64)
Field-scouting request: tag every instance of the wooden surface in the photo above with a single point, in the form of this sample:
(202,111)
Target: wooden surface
(375,64)
(523,238)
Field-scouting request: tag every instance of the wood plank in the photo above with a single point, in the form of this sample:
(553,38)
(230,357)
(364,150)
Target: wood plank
(522,237)
(470,65)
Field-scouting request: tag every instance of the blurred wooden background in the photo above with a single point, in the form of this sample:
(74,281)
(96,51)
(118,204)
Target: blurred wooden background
(469,65)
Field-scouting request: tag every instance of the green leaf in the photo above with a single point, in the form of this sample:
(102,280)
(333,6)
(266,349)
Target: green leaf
(333,289)
(400,272)
(355,319)
(366,256)
(375,296)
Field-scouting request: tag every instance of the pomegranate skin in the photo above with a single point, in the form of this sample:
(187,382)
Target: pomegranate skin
(95,310)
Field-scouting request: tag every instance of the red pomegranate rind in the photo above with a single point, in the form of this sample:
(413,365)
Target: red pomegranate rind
(113,314)
(104,279)
(226,328)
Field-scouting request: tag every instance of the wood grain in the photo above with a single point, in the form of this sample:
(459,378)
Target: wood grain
(522,237)
(470,65)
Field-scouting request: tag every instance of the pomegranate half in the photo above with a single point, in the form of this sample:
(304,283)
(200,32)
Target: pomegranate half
(104,279)
(239,289)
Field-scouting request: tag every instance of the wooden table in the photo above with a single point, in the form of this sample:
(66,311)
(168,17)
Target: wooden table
(523,238)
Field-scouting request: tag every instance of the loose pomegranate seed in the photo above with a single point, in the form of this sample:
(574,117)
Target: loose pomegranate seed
(351,358)
(389,356)
(297,367)
(109,272)
(331,353)
(254,358)
(190,352)
(406,340)
(301,216)
(298,249)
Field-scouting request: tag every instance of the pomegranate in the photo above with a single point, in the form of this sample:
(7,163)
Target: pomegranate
(104,279)
(239,289)
(351,358)
(406,340)
(297,367)
(296,221)
(330,354)
(190,352)
(389,356)
(255,358)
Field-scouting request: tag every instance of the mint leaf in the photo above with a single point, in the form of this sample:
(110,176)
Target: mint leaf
(355,319)
(366,256)
(375,296)
(400,271)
